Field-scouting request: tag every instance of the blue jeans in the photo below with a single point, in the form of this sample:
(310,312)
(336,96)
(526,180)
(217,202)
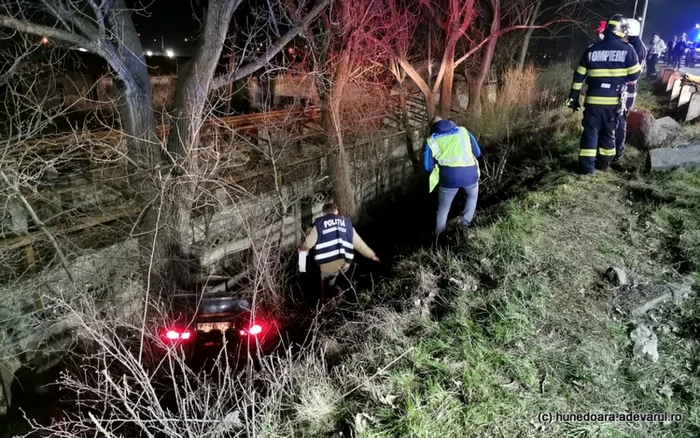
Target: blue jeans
(445,198)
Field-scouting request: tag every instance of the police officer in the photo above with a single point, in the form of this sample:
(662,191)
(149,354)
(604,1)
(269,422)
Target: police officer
(449,155)
(607,67)
(335,241)
(621,132)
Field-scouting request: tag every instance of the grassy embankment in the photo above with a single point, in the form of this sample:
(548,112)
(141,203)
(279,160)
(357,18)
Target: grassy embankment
(521,320)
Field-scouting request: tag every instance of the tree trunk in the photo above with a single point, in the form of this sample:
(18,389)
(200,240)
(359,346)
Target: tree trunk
(343,190)
(478,78)
(528,35)
(447,81)
(408,129)
(191,95)
(428,94)
(139,123)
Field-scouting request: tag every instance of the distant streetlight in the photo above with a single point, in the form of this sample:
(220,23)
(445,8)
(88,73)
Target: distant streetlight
(186,39)
(149,53)
(169,53)
(44,40)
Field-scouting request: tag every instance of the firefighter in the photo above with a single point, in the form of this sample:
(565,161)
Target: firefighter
(449,156)
(621,132)
(335,241)
(607,67)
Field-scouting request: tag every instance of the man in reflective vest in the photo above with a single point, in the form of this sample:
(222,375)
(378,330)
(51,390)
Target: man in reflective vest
(449,155)
(335,241)
(607,67)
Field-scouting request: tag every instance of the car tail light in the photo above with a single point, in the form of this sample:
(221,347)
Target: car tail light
(174,335)
(254,330)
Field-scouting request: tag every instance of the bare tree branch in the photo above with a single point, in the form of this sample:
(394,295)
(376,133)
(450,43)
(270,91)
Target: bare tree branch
(501,32)
(51,32)
(39,223)
(255,65)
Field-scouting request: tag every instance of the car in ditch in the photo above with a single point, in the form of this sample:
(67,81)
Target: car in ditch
(203,325)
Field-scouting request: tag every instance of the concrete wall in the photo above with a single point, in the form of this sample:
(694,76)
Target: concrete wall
(278,215)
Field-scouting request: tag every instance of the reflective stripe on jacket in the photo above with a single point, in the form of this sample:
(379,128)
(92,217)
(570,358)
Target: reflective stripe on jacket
(451,150)
(606,67)
(335,237)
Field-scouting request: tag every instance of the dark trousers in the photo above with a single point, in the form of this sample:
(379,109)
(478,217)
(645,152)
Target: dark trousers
(620,136)
(676,60)
(651,65)
(598,139)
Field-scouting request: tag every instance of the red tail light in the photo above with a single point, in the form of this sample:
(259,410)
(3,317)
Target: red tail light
(174,335)
(254,330)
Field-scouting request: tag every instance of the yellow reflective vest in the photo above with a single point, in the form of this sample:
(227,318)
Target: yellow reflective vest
(453,150)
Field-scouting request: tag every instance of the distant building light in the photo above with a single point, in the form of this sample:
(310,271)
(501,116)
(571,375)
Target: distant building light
(44,40)
(82,49)
(186,39)
(169,53)
(149,53)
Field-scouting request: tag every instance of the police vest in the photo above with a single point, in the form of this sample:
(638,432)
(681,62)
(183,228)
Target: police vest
(334,242)
(451,150)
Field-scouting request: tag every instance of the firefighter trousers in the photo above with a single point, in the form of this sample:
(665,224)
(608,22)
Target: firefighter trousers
(598,139)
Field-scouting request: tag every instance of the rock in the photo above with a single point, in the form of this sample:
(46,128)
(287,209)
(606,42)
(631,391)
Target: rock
(646,132)
(639,126)
(617,276)
(693,107)
(657,295)
(680,291)
(645,344)
(666,390)
(687,155)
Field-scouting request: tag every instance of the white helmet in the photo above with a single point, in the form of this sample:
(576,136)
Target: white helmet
(635,27)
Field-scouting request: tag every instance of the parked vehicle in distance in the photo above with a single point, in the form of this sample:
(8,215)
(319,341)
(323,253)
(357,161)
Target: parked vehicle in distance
(692,56)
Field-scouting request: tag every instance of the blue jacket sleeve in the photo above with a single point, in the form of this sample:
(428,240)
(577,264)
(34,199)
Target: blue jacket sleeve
(476,150)
(428,160)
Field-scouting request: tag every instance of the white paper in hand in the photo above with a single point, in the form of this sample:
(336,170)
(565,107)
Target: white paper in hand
(302,260)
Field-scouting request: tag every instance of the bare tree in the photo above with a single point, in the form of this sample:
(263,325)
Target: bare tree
(346,45)
(452,24)
(107,30)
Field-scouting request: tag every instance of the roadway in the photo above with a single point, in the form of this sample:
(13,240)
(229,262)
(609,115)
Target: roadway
(695,71)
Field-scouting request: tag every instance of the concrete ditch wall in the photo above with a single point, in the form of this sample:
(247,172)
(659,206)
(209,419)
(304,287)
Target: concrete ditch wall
(264,204)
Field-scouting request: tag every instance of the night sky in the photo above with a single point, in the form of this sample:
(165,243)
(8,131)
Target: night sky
(671,17)
(173,20)
(177,20)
